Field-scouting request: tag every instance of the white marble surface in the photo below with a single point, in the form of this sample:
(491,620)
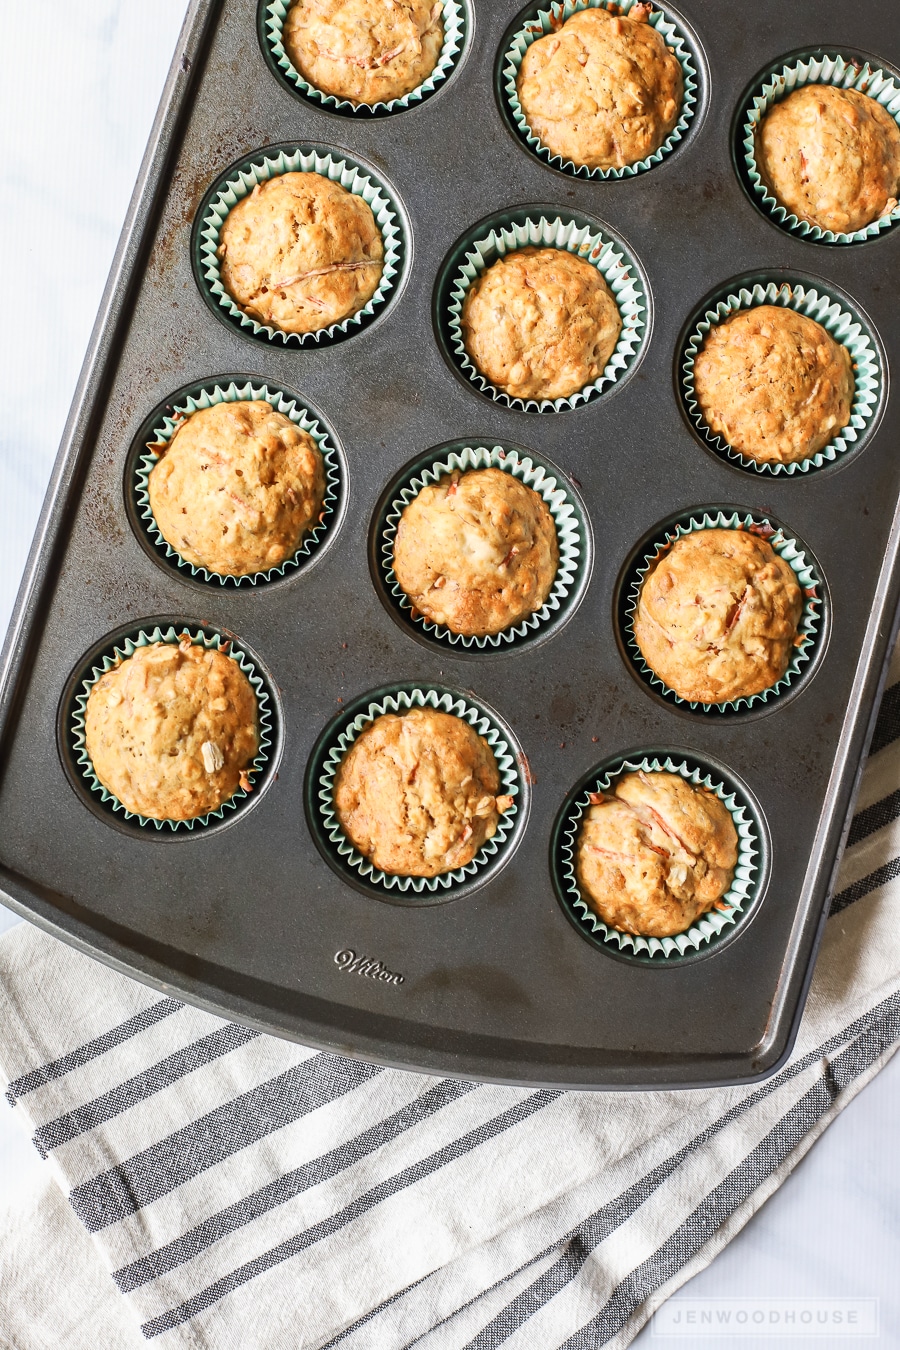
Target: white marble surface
(75,111)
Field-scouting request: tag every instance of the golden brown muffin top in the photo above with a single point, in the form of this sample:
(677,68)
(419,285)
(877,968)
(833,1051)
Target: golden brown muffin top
(416,793)
(717,616)
(540,323)
(774,384)
(301,253)
(237,488)
(476,551)
(172,730)
(831,156)
(367,51)
(604,90)
(656,854)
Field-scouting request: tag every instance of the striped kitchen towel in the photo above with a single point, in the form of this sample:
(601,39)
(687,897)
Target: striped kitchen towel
(249,1193)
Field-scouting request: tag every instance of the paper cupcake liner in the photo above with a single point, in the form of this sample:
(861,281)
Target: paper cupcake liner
(844,325)
(791,550)
(570,532)
(609,255)
(119,652)
(711,928)
(272,16)
(538,24)
(207,397)
(240,180)
(399,700)
(779,81)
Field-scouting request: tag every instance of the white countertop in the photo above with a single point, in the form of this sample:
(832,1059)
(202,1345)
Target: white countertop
(68,163)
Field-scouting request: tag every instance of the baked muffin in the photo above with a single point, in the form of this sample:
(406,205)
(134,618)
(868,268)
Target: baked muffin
(366,51)
(655,854)
(604,91)
(540,323)
(172,730)
(831,156)
(476,551)
(416,793)
(718,616)
(300,253)
(237,488)
(774,384)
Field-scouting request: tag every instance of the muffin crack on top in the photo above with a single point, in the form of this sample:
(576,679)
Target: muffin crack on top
(301,253)
(417,793)
(718,614)
(603,91)
(831,157)
(655,854)
(365,51)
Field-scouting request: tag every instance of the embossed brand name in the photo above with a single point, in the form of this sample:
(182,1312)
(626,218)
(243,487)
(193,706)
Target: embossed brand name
(348,961)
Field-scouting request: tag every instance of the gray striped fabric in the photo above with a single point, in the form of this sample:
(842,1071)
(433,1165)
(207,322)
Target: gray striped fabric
(246,1192)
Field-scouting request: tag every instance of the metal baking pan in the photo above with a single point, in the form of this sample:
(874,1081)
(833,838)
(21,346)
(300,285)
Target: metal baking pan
(250,920)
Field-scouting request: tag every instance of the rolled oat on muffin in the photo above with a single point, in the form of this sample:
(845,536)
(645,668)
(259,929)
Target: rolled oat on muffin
(540,323)
(365,51)
(603,91)
(301,253)
(171,731)
(718,614)
(774,384)
(656,854)
(237,488)
(831,157)
(476,552)
(416,793)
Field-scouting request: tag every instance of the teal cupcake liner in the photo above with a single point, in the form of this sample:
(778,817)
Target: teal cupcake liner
(836,318)
(239,181)
(273,14)
(782,80)
(616,264)
(493,851)
(791,550)
(570,532)
(207,397)
(712,927)
(119,652)
(543,21)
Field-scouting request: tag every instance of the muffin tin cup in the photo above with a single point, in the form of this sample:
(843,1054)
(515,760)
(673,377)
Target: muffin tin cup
(791,550)
(209,396)
(838,319)
(272,17)
(120,651)
(781,79)
(571,532)
(541,21)
(507,232)
(327,759)
(712,928)
(240,180)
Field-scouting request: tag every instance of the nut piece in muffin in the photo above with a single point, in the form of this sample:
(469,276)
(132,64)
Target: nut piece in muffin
(301,253)
(831,156)
(417,793)
(774,384)
(604,90)
(718,615)
(172,730)
(540,323)
(476,551)
(237,488)
(656,855)
(366,51)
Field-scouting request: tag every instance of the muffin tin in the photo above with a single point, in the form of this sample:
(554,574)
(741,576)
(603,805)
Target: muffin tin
(253,915)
